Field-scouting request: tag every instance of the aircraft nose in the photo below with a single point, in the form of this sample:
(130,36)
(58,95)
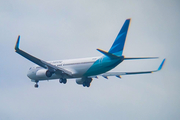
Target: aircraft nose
(29,73)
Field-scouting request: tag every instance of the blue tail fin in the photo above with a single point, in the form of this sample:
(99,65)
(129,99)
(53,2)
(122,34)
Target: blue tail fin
(118,45)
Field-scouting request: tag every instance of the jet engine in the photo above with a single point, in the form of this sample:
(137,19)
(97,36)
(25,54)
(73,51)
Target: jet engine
(44,73)
(80,81)
(84,81)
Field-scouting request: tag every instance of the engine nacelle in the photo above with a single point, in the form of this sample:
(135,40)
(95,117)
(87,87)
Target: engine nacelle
(80,81)
(84,81)
(42,73)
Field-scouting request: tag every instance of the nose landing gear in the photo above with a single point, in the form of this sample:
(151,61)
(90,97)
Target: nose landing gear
(36,85)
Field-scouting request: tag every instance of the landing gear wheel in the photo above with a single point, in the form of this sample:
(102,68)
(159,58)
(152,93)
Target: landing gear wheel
(60,81)
(63,80)
(88,85)
(84,84)
(36,85)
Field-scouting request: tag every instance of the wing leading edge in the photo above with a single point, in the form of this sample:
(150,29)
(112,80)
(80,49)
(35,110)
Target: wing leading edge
(40,62)
(118,74)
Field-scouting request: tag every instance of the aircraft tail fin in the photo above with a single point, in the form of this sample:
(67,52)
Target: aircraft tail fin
(118,45)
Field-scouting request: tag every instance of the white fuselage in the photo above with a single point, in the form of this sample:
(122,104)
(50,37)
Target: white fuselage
(78,68)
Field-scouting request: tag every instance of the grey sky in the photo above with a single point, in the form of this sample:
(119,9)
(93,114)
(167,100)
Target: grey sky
(57,29)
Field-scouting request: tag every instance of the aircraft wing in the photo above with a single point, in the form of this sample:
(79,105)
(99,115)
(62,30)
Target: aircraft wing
(40,62)
(118,74)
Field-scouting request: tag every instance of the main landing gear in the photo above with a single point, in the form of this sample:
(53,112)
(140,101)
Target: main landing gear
(87,82)
(36,85)
(63,80)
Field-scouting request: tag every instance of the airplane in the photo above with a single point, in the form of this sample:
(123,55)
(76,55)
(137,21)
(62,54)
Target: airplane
(84,70)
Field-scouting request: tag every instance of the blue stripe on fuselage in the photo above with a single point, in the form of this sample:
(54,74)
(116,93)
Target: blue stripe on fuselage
(102,65)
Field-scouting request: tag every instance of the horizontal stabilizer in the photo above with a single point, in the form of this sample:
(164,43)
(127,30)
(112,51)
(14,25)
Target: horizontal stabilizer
(107,74)
(110,55)
(135,58)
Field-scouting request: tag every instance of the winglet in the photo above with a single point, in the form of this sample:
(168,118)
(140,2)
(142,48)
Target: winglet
(17,43)
(162,64)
